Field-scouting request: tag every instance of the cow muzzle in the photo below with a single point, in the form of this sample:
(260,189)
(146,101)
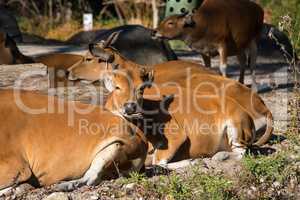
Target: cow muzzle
(131,110)
(155,35)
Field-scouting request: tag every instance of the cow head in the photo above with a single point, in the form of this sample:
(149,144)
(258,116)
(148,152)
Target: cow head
(6,56)
(124,79)
(126,92)
(9,52)
(174,27)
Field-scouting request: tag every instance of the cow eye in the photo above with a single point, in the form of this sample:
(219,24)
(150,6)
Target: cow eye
(171,23)
(118,88)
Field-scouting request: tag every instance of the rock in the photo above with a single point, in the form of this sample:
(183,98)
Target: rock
(95,197)
(57,196)
(221,156)
(25,76)
(130,186)
(276,184)
(22,189)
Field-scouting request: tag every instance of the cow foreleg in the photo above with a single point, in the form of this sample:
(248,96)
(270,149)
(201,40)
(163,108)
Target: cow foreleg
(223,59)
(94,173)
(253,57)
(206,59)
(163,156)
(6,191)
(242,58)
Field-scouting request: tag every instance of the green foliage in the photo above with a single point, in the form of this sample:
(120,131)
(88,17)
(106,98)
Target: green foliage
(134,177)
(266,168)
(195,185)
(214,187)
(174,187)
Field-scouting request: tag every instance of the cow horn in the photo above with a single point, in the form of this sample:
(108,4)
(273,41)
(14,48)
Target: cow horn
(112,39)
(97,51)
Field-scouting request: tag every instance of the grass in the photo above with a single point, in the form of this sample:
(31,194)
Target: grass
(268,168)
(178,186)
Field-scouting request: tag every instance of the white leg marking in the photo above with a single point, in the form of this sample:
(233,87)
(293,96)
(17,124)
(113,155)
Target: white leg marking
(223,70)
(6,191)
(181,164)
(162,162)
(237,149)
(93,174)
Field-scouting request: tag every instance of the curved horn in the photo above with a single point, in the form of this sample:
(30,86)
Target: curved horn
(112,39)
(97,51)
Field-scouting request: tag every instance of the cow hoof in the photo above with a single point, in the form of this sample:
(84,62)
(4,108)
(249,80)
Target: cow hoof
(221,156)
(254,87)
(57,196)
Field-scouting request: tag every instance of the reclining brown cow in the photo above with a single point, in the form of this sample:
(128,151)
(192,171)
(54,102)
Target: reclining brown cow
(191,77)
(219,27)
(96,140)
(198,126)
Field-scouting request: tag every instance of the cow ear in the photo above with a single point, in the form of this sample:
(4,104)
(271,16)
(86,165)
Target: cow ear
(188,21)
(147,74)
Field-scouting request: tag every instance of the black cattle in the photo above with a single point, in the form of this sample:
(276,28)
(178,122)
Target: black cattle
(8,24)
(134,42)
(274,43)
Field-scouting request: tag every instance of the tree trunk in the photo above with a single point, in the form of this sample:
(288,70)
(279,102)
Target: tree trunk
(155,14)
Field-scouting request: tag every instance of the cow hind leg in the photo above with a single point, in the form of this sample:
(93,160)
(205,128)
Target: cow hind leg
(207,60)
(93,175)
(235,133)
(163,156)
(242,58)
(223,59)
(253,58)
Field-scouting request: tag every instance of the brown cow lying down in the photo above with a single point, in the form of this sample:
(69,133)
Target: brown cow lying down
(226,28)
(191,76)
(43,148)
(181,128)
(222,87)
(95,139)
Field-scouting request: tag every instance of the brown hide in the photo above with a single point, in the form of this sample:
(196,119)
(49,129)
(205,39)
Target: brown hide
(225,27)
(197,126)
(191,76)
(47,147)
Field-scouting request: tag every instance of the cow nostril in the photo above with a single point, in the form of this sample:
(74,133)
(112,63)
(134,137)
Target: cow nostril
(130,108)
(153,33)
